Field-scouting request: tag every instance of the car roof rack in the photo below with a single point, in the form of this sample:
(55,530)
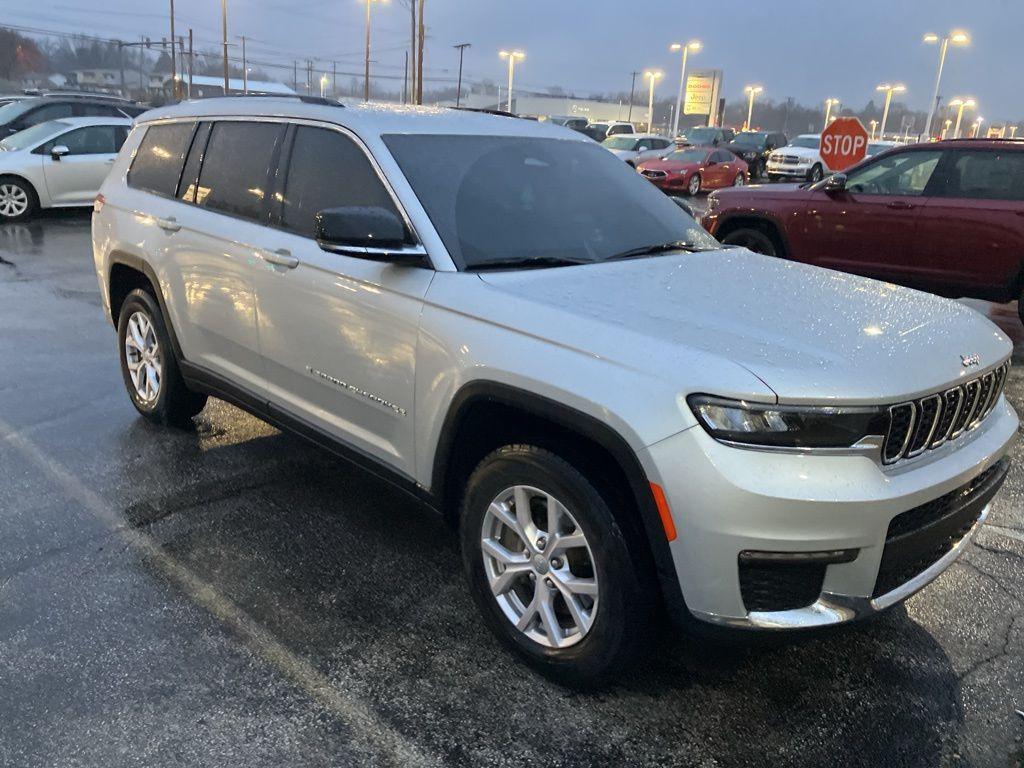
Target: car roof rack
(321,100)
(80,95)
(498,112)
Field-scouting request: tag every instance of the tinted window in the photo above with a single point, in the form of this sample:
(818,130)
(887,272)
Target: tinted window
(497,198)
(327,170)
(904,173)
(985,175)
(47,112)
(236,167)
(93,140)
(721,156)
(189,176)
(158,159)
(98,110)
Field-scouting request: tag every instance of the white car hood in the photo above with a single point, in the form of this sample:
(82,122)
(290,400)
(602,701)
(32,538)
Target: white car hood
(810,334)
(805,152)
(623,153)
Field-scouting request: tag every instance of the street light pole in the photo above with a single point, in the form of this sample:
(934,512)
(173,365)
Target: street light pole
(511,56)
(224,26)
(961,105)
(632,92)
(366,72)
(174,61)
(653,75)
(956,37)
(828,109)
(693,45)
(889,91)
(458,90)
(874,124)
(245,71)
(751,91)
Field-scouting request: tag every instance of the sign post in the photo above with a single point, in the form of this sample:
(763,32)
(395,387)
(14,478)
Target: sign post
(844,143)
(703,87)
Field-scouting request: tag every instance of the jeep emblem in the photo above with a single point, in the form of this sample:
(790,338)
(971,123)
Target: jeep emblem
(969,360)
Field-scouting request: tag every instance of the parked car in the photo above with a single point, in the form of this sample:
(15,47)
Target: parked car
(514,328)
(706,136)
(638,147)
(57,164)
(576,123)
(800,159)
(24,113)
(692,169)
(754,147)
(875,147)
(945,217)
(600,131)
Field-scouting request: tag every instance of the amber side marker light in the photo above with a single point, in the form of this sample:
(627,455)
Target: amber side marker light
(664,512)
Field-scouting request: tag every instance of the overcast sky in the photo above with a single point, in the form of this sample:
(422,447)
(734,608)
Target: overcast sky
(837,48)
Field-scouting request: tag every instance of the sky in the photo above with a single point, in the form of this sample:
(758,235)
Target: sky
(835,48)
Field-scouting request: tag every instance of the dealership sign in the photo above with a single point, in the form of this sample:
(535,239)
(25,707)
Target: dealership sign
(843,143)
(702,90)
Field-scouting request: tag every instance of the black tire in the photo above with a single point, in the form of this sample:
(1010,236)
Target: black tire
(739,181)
(26,189)
(753,239)
(624,607)
(690,190)
(774,177)
(174,404)
(816,173)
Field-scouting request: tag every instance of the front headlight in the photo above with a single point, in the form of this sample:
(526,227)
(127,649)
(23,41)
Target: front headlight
(786,426)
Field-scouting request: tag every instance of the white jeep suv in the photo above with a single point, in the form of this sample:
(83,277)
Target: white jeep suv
(505,321)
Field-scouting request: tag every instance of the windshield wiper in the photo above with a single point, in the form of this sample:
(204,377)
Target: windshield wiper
(651,250)
(536,262)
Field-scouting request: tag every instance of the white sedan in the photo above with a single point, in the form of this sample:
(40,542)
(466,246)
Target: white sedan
(57,164)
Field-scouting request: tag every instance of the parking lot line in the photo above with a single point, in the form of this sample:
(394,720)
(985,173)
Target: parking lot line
(370,735)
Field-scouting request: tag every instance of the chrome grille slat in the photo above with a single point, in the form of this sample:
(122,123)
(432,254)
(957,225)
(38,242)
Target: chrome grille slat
(930,421)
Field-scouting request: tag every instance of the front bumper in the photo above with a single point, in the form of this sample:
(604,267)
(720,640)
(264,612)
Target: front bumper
(726,501)
(790,171)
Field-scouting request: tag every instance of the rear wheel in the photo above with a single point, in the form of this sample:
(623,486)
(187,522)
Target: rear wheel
(693,187)
(739,181)
(549,566)
(753,239)
(816,173)
(148,365)
(18,201)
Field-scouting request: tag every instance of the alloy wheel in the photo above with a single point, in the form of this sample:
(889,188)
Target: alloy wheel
(539,566)
(13,201)
(694,186)
(738,181)
(143,357)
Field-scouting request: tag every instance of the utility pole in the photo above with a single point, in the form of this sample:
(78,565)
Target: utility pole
(309,77)
(120,62)
(405,81)
(224,27)
(412,51)
(366,73)
(245,69)
(142,57)
(181,59)
(334,79)
(458,92)
(422,34)
(632,88)
(174,67)
(295,75)
(191,62)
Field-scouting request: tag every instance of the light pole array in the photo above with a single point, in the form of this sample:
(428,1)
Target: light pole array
(961,104)
(889,89)
(956,37)
(751,91)
(693,45)
(829,103)
(511,56)
(654,76)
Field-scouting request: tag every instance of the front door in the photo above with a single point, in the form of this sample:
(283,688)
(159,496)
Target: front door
(871,227)
(74,178)
(339,334)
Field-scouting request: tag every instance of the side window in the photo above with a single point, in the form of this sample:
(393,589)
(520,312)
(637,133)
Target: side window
(904,173)
(236,167)
(985,175)
(92,140)
(327,170)
(45,113)
(721,156)
(190,174)
(157,163)
(97,110)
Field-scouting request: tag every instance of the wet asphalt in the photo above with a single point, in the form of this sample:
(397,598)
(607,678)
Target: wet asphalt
(232,596)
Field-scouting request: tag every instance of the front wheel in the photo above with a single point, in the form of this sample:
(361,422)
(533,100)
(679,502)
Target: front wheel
(18,201)
(148,365)
(693,187)
(752,239)
(816,173)
(549,566)
(739,181)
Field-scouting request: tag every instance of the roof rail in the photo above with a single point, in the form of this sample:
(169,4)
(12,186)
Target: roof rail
(81,95)
(498,112)
(301,97)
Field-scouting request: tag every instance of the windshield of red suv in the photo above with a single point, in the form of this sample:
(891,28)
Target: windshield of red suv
(517,200)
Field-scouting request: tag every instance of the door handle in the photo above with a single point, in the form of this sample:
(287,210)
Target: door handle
(282,257)
(170,224)
(899,205)
(110,161)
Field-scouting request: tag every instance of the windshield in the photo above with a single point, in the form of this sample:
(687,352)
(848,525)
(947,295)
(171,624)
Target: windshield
(808,142)
(702,135)
(875,147)
(15,109)
(751,138)
(620,142)
(34,135)
(687,156)
(515,199)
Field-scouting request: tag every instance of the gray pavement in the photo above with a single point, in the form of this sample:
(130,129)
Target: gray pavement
(234,596)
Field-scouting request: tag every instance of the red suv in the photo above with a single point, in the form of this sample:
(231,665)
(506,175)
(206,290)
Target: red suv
(945,217)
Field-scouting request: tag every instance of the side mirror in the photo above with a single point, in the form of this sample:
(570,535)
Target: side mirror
(59,151)
(835,184)
(367,232)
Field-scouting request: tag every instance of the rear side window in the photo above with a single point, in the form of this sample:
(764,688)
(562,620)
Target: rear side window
(985,175)
(97,110)
(328,170)
(236,168)
(189,176)
(157,163)
(45,113)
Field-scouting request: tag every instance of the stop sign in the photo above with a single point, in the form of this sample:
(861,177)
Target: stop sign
(843,143)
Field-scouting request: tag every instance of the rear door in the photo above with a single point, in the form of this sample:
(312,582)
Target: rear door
(75,178)
(871,228)
(338,333)
(972,229)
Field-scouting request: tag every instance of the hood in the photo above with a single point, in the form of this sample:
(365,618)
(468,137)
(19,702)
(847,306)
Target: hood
(623,153)
(668,165)
(807,152)
(732,195)
(812,335)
